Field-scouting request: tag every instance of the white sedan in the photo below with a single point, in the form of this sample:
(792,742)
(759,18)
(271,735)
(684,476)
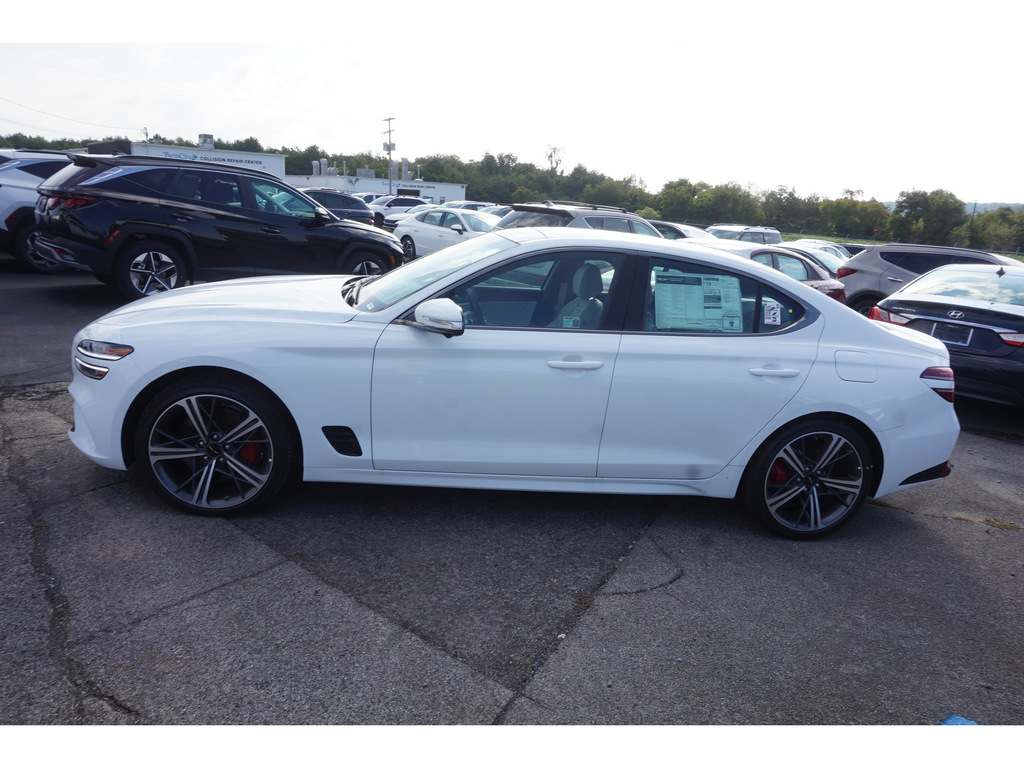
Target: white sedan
(547,360)
(438,228)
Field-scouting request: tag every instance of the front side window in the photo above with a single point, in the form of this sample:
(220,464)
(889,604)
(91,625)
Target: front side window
(693,298)
(271,197)
(567,291)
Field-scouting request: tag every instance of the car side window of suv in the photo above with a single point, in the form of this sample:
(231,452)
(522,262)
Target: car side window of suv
(610,223)
(271,197)
(692,298)
(643,228)
(216,188)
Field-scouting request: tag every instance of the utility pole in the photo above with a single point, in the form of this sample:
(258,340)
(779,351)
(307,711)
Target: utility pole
(389,147)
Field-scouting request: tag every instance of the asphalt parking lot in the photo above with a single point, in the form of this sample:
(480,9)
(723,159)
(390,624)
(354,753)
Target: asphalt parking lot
(368,605)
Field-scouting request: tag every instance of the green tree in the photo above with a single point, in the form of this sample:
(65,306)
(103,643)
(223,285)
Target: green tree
(926,217)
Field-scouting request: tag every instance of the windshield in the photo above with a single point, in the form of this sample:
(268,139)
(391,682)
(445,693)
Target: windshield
(388,288)
(480,222)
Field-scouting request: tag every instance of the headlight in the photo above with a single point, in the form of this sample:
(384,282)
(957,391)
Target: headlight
(104,350)
(100,350)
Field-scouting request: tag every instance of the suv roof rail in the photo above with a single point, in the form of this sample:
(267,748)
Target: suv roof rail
(577,204)
(91,161)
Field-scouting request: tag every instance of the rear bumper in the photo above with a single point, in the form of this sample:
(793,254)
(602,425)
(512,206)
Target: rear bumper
(73,255)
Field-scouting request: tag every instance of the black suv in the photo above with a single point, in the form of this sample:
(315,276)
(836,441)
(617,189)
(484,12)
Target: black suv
(565,213)
(148,224)
(341,205)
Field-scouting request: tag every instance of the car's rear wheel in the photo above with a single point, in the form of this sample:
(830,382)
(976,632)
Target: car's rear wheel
(149,267)
(408,248)
(23,249)
(215,445)
(809,479)
(864,306)
(364,263)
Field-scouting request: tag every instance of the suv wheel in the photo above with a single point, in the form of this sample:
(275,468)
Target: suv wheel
(864,305)
(364,263)
(409,248)
(149,267)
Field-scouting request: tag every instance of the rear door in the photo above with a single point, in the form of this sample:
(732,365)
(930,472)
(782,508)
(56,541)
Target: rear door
(710,360)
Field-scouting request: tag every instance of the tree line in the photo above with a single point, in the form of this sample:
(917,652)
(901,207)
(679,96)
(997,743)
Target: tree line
(936,218)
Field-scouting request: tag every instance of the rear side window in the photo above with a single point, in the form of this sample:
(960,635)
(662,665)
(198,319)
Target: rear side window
(610,223)
(919,263)
(693,298)
(44,170)
(535,219)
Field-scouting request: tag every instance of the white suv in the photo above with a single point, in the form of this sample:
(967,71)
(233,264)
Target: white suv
(21,171)
(561,213)
(749,234)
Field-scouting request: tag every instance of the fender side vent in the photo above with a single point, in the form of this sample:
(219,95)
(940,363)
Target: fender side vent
(343,440)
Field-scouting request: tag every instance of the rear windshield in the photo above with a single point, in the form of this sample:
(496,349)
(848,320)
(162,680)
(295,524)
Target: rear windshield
(1007,288)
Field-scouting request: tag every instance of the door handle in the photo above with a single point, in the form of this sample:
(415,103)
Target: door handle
(181,217)
(894,279)
(271,230)
(576,365)
(782,373)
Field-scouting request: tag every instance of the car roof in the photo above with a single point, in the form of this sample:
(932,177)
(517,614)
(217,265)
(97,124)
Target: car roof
(92,161)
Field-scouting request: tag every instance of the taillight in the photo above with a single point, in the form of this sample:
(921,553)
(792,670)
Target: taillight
(1016,339)
(844,272)
(837,293)
(940,379)
(877,313)
(70,202)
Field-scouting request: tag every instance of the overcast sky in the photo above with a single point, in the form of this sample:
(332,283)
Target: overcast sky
(816,97)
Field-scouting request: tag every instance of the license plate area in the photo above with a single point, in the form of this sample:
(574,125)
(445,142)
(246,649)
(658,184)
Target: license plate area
(953,334)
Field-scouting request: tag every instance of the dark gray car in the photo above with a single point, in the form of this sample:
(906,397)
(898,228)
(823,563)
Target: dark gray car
(879,270)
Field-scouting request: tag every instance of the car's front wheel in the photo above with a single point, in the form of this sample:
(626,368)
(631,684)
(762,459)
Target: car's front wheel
(214,444)
(809,479)
(149,267)
(408,248)
(364,263)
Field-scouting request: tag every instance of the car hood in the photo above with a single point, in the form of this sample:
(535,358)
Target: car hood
(365,230)
(305,298)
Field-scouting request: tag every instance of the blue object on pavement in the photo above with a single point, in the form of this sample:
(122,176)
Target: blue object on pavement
(957,720)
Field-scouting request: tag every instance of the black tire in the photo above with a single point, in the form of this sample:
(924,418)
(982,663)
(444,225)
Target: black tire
(408,248)
(23,250)
(215,444)
(864,306)
(149,267)
(809,479)
(364,263)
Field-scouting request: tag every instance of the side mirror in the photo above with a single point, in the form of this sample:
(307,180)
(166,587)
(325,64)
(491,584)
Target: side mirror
(458,228)
(442,316)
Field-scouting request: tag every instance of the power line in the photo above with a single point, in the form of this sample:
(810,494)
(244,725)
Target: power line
(70,119)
